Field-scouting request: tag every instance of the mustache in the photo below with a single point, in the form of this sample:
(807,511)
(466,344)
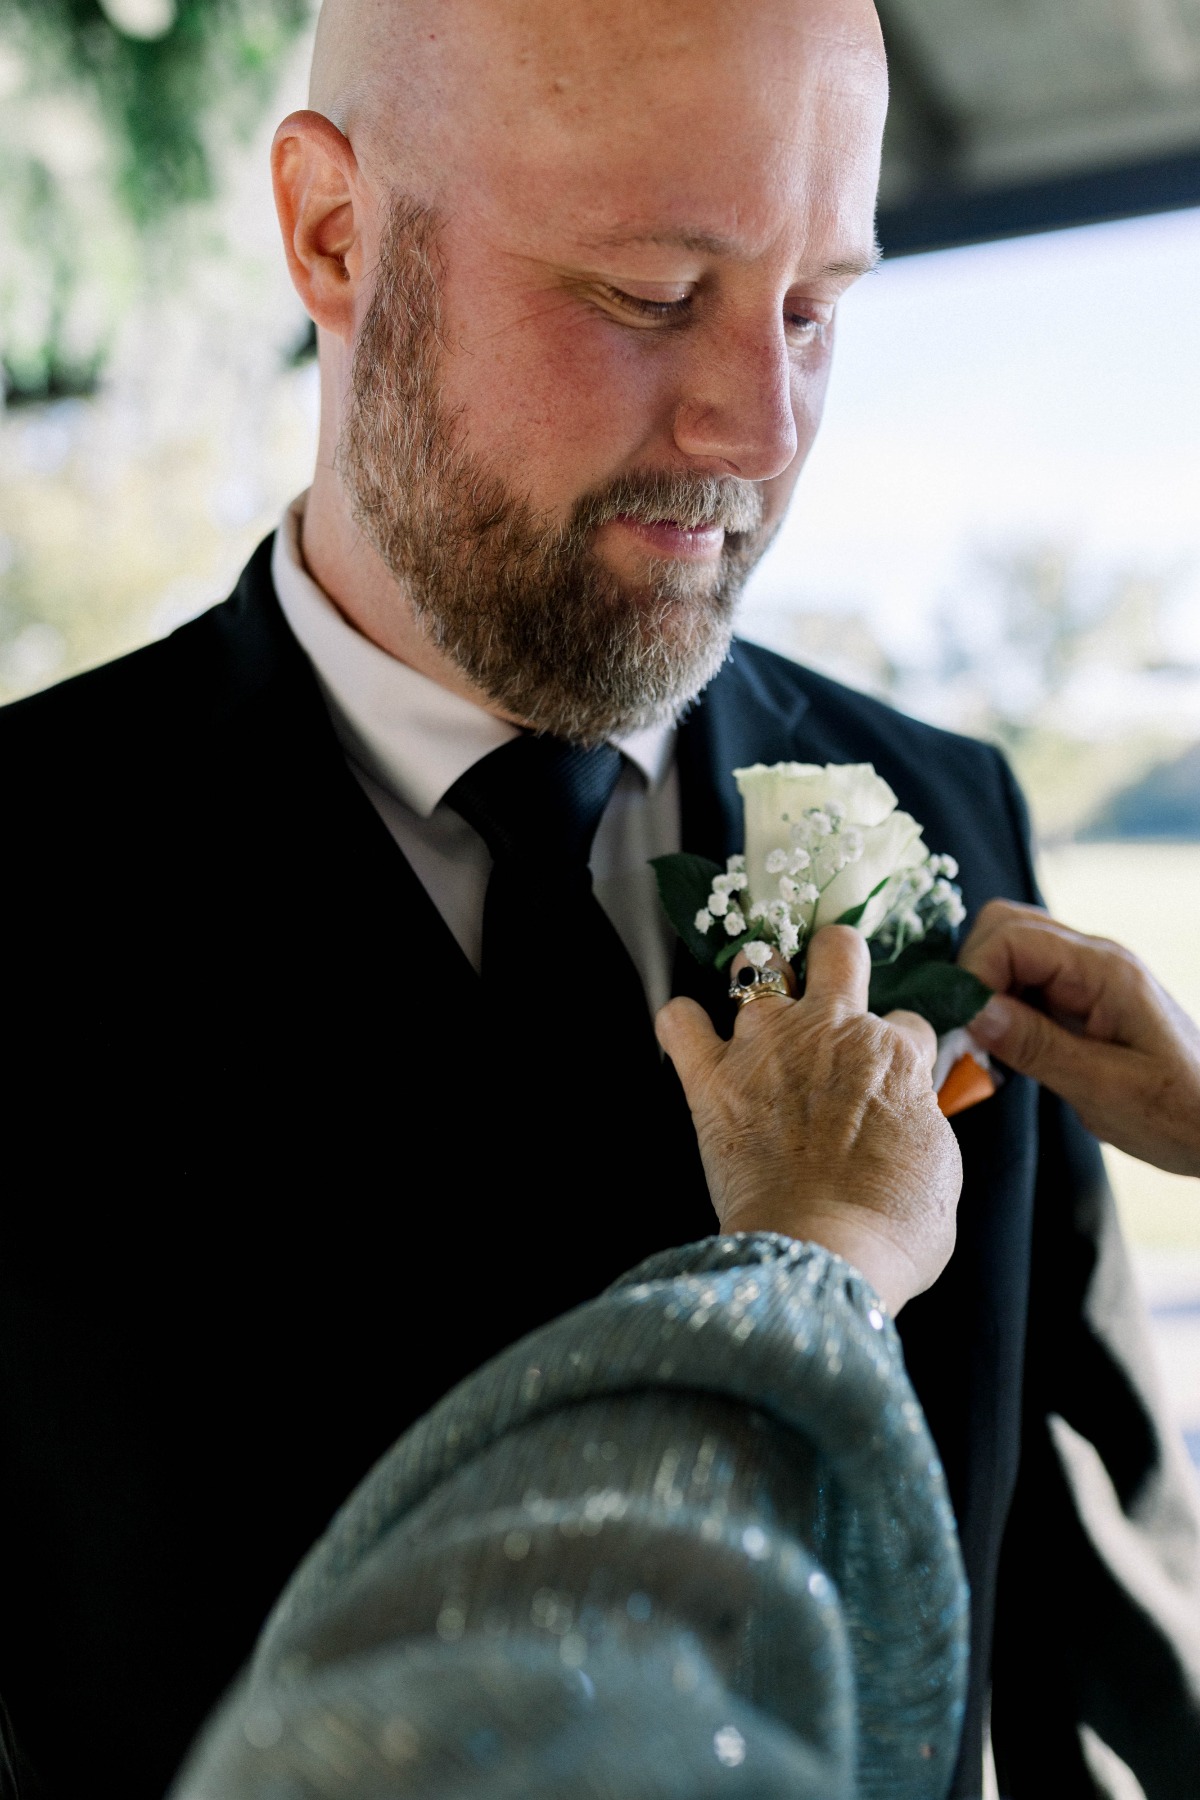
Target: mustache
(689,501)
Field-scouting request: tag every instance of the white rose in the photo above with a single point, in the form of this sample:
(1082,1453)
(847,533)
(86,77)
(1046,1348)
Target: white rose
(778,796)
(888,848)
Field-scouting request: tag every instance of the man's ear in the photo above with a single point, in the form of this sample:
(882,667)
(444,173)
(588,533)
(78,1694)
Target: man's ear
(319,198)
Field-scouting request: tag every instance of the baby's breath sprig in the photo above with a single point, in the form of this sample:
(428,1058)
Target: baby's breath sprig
(822,845)
(926,901)
(920,899)
(722,903)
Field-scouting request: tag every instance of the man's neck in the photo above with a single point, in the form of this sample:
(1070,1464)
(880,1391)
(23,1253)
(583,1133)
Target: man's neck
(348,568)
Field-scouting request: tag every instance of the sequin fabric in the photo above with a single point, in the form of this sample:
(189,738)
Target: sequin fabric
(692,1538)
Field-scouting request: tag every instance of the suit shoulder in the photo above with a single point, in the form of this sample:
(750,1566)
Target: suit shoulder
(147,707)
(845,711)
(112,743)
(961,789)
(116,700)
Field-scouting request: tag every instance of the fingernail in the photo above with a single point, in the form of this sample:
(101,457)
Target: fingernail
(991,1025)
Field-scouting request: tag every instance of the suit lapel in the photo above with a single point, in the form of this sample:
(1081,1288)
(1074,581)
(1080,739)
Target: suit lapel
(309,813)
(742,717)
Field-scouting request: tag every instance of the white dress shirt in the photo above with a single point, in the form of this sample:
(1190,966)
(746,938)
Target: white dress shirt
(408,740)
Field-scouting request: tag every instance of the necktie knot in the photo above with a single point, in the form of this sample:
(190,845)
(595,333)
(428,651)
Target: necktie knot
(536,803)
(538,799)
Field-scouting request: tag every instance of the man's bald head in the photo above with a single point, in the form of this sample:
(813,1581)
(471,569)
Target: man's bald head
(575,265)
(426,85)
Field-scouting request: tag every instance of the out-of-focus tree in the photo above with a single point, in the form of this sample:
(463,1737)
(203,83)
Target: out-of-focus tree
(113,114)
(1068,668)
(1020,650)
(154,419)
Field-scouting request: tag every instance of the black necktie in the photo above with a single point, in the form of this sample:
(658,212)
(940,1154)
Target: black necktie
(594,1144)
(552,959)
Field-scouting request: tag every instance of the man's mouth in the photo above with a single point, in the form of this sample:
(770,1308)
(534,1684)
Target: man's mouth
(668,538)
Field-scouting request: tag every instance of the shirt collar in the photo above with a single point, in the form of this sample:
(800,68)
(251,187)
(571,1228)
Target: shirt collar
(410,734)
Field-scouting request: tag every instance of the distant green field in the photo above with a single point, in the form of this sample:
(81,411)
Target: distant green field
(1147,896)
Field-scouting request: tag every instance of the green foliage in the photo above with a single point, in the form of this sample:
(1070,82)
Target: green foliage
(157,97)
(684,884)
(939,991)
(104,135)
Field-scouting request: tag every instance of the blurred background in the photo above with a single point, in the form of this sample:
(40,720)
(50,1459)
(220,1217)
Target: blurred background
(999,529)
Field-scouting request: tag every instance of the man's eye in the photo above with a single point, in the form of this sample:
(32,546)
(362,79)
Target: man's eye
(649,309)
(803,324)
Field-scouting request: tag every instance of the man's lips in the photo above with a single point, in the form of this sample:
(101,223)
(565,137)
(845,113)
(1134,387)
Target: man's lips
(663,537)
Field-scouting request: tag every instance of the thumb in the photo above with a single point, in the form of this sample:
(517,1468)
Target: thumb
(1034,1045)
(686,1033)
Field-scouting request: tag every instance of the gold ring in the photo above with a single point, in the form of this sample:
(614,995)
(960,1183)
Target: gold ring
(761,985)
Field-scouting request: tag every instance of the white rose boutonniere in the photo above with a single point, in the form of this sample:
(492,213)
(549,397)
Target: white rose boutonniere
(825,845)
(829,846)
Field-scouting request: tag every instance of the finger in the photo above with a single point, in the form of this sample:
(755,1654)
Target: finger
(753,1015)
(991,919)
(839,968)
(920,1033)
(1079,976)
(1034,1045)
(775,961)
(686,1033)
(762,1004)
(1004,933)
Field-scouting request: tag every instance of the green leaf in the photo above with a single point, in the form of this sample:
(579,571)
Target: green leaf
(853,914)
(940,991)
(937,945)
(684,884)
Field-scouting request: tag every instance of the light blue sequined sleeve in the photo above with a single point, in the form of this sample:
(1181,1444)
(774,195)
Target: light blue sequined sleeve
(691,1539)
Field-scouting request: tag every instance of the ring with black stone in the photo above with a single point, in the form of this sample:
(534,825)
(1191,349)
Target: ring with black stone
(758,984)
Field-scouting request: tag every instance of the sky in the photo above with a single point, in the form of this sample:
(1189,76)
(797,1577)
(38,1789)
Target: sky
(1040,390)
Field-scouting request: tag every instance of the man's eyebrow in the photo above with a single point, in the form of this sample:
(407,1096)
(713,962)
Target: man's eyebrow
(844,268)
(850,267)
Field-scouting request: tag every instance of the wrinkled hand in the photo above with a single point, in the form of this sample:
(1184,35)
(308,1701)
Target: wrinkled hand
(819,1120)
(1115,1045)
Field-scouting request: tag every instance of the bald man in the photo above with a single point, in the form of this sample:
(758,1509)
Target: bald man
(334,951)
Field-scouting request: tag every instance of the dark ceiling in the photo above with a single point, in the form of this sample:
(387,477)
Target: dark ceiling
(1011,116)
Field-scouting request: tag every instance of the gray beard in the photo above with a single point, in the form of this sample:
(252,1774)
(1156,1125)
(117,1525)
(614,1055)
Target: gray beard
(522,605)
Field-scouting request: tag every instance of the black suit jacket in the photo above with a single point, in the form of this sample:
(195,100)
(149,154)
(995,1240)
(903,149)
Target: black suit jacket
(255,1102)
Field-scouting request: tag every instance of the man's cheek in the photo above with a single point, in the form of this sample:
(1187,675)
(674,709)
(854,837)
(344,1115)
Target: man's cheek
(564,407)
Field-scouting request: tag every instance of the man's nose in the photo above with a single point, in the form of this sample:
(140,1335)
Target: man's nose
(736,413)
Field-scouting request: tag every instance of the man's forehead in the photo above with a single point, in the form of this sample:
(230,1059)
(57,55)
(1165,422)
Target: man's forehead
(654,200)
(580,66)
(716,244)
